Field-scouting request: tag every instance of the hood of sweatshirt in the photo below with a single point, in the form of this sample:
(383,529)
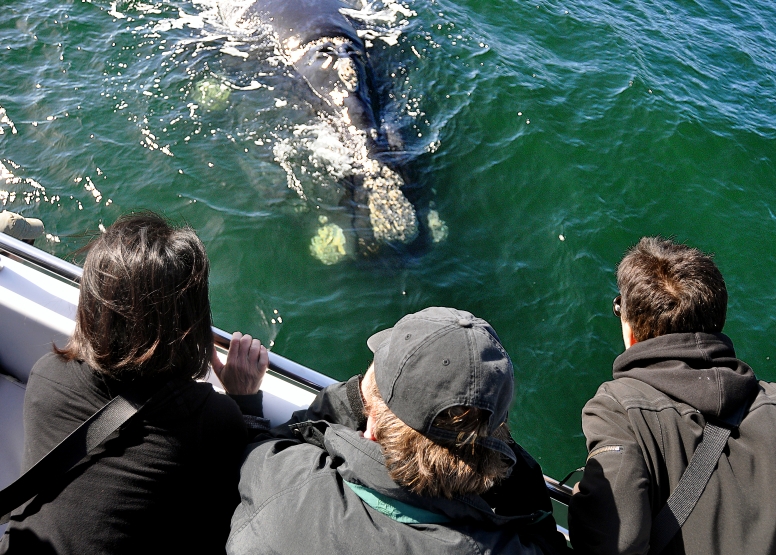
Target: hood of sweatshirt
(361,462)
(700,369)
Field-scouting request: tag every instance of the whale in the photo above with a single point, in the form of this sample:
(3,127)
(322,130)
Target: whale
(330,59)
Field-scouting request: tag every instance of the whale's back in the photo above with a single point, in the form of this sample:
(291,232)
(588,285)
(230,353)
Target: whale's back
(303,20)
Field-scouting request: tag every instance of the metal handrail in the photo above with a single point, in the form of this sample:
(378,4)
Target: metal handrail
(277,363)
(71,272)
(558,491)
(282,365)
(40,258)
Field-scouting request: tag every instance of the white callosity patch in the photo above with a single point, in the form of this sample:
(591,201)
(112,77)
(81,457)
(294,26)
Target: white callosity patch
(295,51)
(436,226)
(347,73)
(329,243)
(391,215)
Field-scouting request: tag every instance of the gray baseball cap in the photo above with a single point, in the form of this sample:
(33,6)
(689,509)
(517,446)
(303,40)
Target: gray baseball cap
(440,358)
(20,227)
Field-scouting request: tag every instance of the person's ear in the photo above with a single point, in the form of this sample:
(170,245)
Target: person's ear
(369,433)
(627,335)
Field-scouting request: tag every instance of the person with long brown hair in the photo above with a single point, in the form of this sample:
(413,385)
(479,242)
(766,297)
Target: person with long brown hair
(167,482)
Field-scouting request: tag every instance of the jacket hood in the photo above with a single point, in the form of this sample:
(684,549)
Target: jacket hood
(700,369)
(363,464)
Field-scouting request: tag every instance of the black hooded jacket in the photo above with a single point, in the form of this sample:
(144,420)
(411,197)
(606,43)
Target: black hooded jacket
(642,430)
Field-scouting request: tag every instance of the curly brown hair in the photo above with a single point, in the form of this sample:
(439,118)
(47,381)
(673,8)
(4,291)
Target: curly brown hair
(437,468)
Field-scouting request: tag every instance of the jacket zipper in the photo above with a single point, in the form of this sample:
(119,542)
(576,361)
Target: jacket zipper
(605,449)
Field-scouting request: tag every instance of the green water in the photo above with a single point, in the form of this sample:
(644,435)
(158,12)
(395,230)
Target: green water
(550,136)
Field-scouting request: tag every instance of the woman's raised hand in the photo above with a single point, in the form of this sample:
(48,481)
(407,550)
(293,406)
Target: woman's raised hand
(246,364)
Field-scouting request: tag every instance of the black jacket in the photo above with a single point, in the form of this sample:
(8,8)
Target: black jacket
(296,498)
(643,428)
(167,484)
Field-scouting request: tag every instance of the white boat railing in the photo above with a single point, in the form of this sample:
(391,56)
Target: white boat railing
(286,369)
(279,364)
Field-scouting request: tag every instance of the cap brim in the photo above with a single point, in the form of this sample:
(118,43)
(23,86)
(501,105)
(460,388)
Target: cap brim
(32,230)
(20,227)
(378,339)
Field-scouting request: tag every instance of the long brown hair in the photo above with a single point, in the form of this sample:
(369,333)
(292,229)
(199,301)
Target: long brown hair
(143,309)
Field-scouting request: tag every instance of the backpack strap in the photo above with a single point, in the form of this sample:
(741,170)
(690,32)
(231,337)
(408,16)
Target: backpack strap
(685,496)
(69,452)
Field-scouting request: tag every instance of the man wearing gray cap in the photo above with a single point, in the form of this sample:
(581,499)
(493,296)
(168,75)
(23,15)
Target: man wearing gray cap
(415,457)
(24,229)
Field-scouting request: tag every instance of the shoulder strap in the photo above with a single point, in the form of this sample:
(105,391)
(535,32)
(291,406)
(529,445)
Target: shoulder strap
(353,389)
(685,496)
(69,452)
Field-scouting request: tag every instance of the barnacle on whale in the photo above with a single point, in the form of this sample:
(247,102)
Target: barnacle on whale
(391,215)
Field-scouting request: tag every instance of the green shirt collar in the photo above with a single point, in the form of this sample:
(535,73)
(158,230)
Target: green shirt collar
(397,510)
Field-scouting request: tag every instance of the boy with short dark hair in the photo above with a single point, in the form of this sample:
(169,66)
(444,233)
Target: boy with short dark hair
(678,375)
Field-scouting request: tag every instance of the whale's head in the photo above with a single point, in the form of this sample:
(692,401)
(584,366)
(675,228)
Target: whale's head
(338,72)
(322,44)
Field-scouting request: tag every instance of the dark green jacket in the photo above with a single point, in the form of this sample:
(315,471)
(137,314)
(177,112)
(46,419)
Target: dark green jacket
(643,428)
